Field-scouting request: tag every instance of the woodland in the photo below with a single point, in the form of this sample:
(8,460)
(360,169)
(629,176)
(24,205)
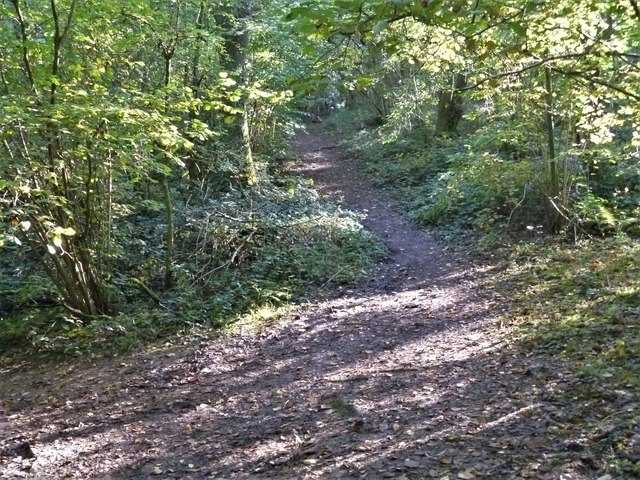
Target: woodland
(151,188)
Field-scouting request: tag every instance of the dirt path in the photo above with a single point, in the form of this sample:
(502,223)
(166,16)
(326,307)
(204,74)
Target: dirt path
(409,378)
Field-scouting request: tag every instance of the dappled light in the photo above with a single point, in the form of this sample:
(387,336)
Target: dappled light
(320,239)
(410,376)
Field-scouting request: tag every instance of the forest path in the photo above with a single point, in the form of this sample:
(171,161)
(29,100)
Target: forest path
(410,377)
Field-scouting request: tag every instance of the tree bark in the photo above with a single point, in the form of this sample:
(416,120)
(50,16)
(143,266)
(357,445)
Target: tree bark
(168,51)
(553,215)
(236,40)
(451,106)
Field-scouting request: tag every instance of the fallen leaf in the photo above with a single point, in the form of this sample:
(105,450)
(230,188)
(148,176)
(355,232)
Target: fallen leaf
(409,463)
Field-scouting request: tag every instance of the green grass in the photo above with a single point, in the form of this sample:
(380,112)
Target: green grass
(341,407)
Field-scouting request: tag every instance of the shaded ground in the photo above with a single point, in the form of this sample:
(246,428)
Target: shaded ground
(410,377)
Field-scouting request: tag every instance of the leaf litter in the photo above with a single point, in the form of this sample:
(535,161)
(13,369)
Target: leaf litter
(411,376)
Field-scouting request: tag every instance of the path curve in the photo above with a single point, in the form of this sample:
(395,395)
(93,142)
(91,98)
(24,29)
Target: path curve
(416,260)
(411,378)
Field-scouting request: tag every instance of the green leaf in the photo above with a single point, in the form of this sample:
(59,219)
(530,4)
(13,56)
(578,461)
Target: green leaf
(363,82)
(518,28)
(58,231)
(380,26)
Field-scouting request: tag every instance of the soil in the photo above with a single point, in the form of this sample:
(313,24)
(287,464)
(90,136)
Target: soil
(411,376)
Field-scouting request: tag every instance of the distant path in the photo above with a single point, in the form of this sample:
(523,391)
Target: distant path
(418,259)
(409,378)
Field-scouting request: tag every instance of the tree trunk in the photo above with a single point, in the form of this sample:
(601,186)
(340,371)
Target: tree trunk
(553,215)
(236,37)
(236,40)
(169,242)
(168,53)
(451,106)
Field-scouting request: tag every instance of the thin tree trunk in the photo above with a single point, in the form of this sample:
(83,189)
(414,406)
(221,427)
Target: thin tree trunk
(252,176)
(636,8)
(168,53)
(551,146)
(236,39)
(197,76)
(553,215)
(3,79)
(25,48)
(168,257)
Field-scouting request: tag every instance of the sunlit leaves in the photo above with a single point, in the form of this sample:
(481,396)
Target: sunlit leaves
(119,109)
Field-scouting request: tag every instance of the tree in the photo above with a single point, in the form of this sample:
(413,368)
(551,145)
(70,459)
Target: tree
(502,53)
(80,124)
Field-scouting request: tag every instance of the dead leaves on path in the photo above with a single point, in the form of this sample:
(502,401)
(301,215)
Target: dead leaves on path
(411,380)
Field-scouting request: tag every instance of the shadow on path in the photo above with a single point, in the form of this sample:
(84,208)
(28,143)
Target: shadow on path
(409,379)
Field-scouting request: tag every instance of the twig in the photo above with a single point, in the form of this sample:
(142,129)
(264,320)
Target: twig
(399,369)
(242,244)
(569,221)
(141,286)
(325,284)
(524,195)
(228,262)
(358,378)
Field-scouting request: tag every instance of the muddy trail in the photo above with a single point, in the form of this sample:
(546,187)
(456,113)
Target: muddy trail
(409,377)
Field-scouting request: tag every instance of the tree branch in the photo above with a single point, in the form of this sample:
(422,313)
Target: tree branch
(502,75)
(597,81)
(544,61)
(72,9)
(25,49)
(636,8)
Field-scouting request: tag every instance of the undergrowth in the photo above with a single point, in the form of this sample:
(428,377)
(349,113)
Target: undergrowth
(239,252)
(483,182)
(581,303)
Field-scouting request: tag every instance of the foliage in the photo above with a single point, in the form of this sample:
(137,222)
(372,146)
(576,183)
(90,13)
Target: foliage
(548,90)
(142,142)
(124,125)
(238,252)
(580,300)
